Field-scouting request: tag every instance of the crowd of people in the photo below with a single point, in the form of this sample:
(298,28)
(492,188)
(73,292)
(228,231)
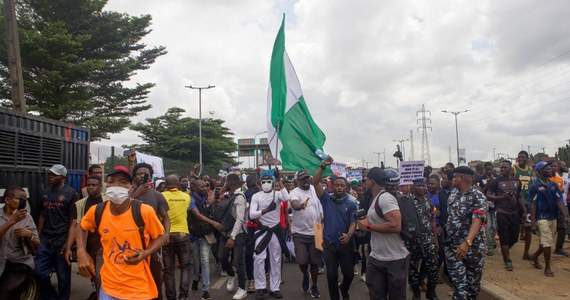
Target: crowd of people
(128,234)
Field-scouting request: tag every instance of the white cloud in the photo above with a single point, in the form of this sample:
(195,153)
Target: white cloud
(366,67)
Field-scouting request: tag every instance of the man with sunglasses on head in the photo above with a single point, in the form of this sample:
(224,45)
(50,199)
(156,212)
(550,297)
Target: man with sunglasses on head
(264,206)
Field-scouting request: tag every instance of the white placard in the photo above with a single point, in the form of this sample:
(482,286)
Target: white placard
(154,161)
(410,170)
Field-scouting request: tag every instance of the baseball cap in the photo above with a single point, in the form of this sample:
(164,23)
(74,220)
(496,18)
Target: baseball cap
(541,165)
(303,174)
(121,170)
(419,180)
(58,170)
(464,170)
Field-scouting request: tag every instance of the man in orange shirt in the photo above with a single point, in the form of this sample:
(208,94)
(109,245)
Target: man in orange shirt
(560,226)
(125,273)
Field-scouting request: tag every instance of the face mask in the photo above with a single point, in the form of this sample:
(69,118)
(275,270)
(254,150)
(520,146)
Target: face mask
(117,194)
(266,186)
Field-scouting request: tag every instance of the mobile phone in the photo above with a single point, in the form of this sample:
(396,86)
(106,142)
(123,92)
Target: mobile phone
(22,204)
(146,178)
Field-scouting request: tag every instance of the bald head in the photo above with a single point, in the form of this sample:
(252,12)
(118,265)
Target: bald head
(172,182)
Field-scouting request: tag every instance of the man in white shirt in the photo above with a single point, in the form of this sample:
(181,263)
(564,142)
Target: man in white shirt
(306,209)
(264,206)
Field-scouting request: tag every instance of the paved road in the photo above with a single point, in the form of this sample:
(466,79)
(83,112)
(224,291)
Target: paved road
(291,289)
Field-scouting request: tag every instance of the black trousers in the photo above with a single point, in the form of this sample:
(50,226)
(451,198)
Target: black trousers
(336,255)
(13,280)
(387,279)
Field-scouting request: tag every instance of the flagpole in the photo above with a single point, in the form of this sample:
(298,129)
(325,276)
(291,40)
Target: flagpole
(277,154)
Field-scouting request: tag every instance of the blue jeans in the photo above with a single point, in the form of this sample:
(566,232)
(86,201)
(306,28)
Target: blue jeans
(104,296)
(179,246)
(48,257)
(201,251)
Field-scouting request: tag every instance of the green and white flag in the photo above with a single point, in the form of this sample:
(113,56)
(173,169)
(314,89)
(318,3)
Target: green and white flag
(293,134)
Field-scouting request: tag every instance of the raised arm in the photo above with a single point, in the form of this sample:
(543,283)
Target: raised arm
(319,175)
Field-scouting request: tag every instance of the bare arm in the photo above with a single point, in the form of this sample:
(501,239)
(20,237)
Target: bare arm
(84,261)
(41,222)
(71,237)
(319,175)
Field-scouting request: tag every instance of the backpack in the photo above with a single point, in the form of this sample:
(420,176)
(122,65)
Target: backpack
(195,226)
(410,231)
(221,212)
(136,211)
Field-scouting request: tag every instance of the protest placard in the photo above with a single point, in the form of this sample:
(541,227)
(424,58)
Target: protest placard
(410,170)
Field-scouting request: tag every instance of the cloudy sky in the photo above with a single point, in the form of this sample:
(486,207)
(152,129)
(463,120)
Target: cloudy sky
(366,67)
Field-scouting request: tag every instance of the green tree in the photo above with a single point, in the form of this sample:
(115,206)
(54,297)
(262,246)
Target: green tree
(75,61)
(564,154)
(175,137)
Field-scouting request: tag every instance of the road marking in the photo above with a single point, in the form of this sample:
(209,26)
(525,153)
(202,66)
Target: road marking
(219,283)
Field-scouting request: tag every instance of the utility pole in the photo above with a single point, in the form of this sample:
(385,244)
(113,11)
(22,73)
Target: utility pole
(14,59)
(412,156)
(378,153)
(543,149)
(200,116)
(256,150)
(528,150)
(455,113)
(426,156)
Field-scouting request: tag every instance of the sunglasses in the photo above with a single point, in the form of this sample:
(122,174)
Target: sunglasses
(266,181)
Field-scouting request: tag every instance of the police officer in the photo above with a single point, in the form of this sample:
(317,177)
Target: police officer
(465,241)
(424,251)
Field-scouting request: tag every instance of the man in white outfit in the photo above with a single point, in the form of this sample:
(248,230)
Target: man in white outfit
(263,207)
(307,209)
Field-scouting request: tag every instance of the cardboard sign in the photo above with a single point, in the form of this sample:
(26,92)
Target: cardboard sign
(154,161)
(356,174)
(409,170)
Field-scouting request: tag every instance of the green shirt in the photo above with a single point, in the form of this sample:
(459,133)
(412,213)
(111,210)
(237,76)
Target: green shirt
(525,176)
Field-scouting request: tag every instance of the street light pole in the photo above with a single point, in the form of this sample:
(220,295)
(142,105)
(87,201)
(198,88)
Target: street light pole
(255,143)
(378,153)
(455,113)
(200,116)
(402,147)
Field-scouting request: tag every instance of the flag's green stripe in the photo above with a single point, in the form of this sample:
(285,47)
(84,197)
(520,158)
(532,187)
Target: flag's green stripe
(277,78)
(300,137)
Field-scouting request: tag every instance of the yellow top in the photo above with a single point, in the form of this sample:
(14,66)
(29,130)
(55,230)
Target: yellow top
(178,203)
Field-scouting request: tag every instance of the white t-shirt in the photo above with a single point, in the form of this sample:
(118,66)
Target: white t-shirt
(302,220)
(385,246)
(261,200)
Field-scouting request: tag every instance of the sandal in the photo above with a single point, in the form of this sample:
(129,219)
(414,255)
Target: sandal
(537,264)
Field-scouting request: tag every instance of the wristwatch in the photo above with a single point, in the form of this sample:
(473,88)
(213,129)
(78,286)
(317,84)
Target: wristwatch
(469,242)
(34,237)
(368,228)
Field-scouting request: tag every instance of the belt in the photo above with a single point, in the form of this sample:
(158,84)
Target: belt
(178,234)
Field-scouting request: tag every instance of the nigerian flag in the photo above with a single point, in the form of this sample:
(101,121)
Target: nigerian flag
(293,134)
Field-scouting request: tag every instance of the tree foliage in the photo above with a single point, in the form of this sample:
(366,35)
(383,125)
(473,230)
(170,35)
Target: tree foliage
(176,137)
(75,61)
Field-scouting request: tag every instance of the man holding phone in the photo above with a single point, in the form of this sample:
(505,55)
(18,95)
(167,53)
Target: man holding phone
(18,237)
(142,187)
(126,272)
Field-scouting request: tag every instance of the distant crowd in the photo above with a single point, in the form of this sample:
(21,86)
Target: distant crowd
(128,233)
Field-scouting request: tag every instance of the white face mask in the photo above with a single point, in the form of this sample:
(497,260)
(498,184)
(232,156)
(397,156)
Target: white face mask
(266,185)
(117,194)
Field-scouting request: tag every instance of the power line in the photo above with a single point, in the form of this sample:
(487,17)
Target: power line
(426,156)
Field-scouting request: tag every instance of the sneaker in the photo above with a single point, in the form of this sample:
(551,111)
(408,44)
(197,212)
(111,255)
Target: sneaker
(509,265)
(315,292)
(240,294)
(250,286)
(206,296)
(260,294)
(356,269)
(276,294)
(561,252)
(305,284)
(363,277)
(321,270)
(224,274)
(194,287)
(231,283)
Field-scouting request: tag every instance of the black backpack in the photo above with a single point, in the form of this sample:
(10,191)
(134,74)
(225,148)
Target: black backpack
(410,229)
(195,226)
(136,211)
(221,212)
